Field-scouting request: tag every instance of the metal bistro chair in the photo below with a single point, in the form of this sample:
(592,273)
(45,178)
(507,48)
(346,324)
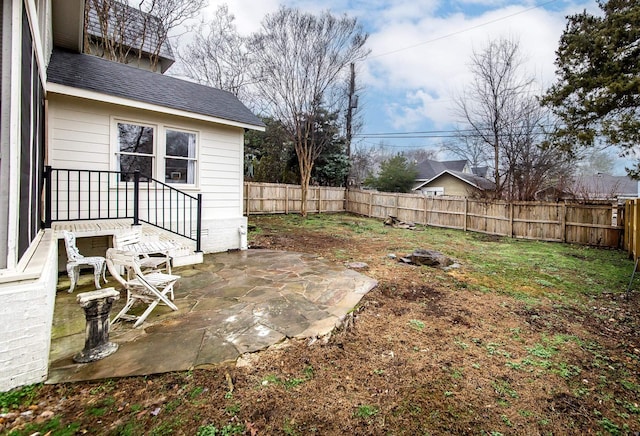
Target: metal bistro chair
(75,260)
(150,288)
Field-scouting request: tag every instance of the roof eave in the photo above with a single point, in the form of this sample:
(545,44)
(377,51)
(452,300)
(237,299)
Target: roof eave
(451,173)
(56,88)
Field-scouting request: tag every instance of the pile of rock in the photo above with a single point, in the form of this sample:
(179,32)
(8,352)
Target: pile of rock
(429,258)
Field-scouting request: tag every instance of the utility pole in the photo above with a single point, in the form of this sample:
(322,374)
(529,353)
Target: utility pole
(353,103)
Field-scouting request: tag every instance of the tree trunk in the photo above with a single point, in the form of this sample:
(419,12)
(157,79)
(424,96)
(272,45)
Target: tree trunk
(304,188)
(305,162)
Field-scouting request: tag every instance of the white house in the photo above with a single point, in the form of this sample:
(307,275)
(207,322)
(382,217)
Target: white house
(73,128)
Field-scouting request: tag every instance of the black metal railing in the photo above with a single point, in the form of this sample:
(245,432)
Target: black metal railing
(72,195)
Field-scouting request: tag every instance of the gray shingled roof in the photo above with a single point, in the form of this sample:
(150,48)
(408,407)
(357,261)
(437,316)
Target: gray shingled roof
(607,186)
(473,179)
(428,168)
(480,171)
(106,77)
(133,22)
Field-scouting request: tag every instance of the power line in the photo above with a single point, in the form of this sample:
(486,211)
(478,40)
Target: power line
(440,133)
(375,144)
(463,30)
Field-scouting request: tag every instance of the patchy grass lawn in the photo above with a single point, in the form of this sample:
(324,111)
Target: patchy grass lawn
(524,338)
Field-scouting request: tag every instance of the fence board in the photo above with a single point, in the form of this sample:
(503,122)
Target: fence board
(600,224)
(268,198)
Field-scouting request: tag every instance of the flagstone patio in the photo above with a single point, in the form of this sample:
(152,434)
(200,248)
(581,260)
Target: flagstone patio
(233,303)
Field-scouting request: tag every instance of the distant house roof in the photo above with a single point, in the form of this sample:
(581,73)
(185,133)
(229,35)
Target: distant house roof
(428,168)
(605,186)
(480,171)
(112,78)
(471,179)
(132,28)
(595,187)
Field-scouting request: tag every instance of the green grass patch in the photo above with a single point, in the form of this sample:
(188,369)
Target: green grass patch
(226,430)
(51,427)
(19,397)
(233,409)
(504,389)
(292,382)
(416,324)
(366,411)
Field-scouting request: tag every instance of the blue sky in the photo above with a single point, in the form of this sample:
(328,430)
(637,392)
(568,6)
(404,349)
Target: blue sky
(420,51)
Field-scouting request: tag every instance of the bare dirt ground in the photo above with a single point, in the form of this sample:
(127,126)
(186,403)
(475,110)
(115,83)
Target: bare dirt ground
(426,352)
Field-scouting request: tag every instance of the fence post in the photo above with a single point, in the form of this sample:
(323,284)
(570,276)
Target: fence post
(397,201)
(511,231)
(635,229)
(424,202)
(466,212)
(261,198)
(370,204)
(286,199)
(136,197)
(47,197)
(319,199)
(627,226)
(563,222)
(346,198)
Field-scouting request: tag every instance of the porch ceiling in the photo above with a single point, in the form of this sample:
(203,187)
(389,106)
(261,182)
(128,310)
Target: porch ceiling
(68,20)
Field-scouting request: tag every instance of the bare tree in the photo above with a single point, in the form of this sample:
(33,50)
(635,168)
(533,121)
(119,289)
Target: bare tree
(529,162)
(490,105)
(469,147)
(361,164)
(594,161)
(218,56)
(300,59)
(418,155)
(592,187)
(125,30)
(504,126)
(115,27)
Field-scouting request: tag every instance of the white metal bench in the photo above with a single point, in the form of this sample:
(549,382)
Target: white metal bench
(153,254)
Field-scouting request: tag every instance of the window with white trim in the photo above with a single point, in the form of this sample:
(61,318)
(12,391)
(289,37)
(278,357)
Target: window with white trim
(135,150)
(180,157)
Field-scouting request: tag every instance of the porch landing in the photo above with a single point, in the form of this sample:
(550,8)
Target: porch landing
(233,303)
(183,254)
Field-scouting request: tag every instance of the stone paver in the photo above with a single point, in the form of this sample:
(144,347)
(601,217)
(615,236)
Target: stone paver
(233,303)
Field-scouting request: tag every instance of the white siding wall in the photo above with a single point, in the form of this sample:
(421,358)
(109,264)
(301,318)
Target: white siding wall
(80,138)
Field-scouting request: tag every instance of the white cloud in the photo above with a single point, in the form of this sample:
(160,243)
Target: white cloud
(421,48)
(426,60)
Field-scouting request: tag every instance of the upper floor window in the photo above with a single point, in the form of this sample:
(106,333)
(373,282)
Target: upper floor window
(135,150)
(180,157)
